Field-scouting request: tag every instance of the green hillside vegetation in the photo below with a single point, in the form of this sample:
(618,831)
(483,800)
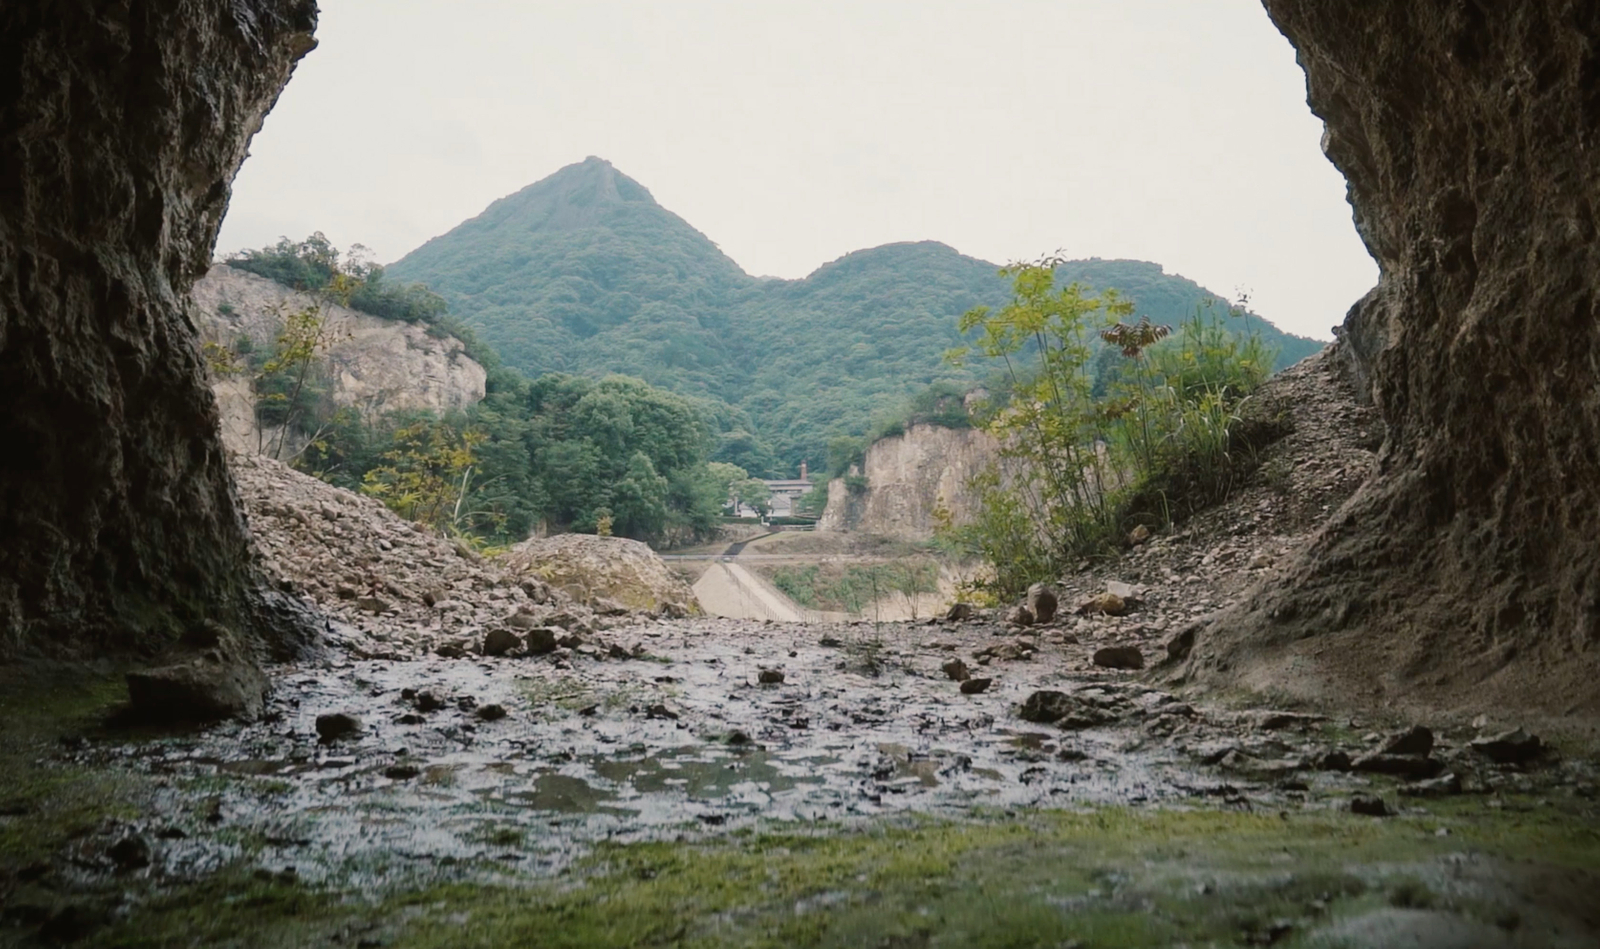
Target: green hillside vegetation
(584,273)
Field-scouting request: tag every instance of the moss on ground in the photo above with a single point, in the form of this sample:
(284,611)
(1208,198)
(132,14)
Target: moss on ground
(1112,877)
(1104,878)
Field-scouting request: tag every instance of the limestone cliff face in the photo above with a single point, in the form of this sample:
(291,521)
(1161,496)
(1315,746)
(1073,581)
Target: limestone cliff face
(1468,566)
(909,476)
(121,127)
(375,366)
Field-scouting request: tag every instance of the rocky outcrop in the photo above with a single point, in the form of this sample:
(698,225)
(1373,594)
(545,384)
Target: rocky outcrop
(605,573)
(121,127)
(1466,568)
(373,365)
(908,478)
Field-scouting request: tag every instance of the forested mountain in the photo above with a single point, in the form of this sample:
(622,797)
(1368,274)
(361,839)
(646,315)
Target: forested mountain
(584,272)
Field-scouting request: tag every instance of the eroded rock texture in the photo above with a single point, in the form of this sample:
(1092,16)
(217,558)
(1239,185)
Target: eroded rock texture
(1468,568)
(121,127)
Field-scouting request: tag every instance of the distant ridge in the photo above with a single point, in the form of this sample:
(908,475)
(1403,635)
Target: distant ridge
(583,271)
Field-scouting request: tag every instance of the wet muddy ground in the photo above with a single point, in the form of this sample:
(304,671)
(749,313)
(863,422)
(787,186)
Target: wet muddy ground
(523,770)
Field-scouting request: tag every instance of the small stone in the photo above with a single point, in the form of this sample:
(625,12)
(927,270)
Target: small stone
(958,612)
(1512,747)
(522,620)
(498,642)
(130,853)
(1332,761)
(466,703)
(1445,785)
(428,702)
(544,640)
(1415,740)
(451,651)
(347,592)
(492,712)
(1119,657)
(570,641)
(770,676)
(1107,603)
(1370,805)
(1019,616)
(1138,535)
(337,725)
(219,683)
(1041,602)
(660,710)
(1405,766)
(974,686)
(738,737)
(617,652)
(1046,706)
(956,669)
(1129,593)
(401,772)
(372,604)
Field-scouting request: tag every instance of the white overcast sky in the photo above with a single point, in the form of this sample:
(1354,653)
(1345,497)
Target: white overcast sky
(792,133)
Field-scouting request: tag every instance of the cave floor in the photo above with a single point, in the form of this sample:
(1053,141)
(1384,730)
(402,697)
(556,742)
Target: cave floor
(671,798)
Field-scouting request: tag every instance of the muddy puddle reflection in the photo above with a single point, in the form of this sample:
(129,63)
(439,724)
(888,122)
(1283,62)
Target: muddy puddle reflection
(514,765)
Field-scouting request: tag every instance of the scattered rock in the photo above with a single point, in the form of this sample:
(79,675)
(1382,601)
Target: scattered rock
(1512,747)
(219,683)
(372,604)
(492,712)
(738,737)
(1277,721)
(431,596)
(1019,616)
(659,710)
(1041,602)
(1107,603)
(130,853)
(499,641)
(337,725)
(1405,766)
(522,619)
(974,686)
(1415,740)
(1370,805)
(1444,785)
(1050,707)
(1119,657)
(956,669)
(1138,535)
(401,772)
(451,651)
(958,612)
(1131,595)
(770,676)
(428,702)
(543,640)
(617,652)
(1332,761)
(1046,706)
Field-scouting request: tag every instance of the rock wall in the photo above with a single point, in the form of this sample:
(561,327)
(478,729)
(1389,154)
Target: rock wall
(1466,569)
(121,127)
(375,366)
(910,476)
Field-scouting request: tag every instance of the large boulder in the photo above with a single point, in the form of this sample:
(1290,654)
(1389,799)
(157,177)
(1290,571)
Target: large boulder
(599,571)
(121,127)
(1465,571)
